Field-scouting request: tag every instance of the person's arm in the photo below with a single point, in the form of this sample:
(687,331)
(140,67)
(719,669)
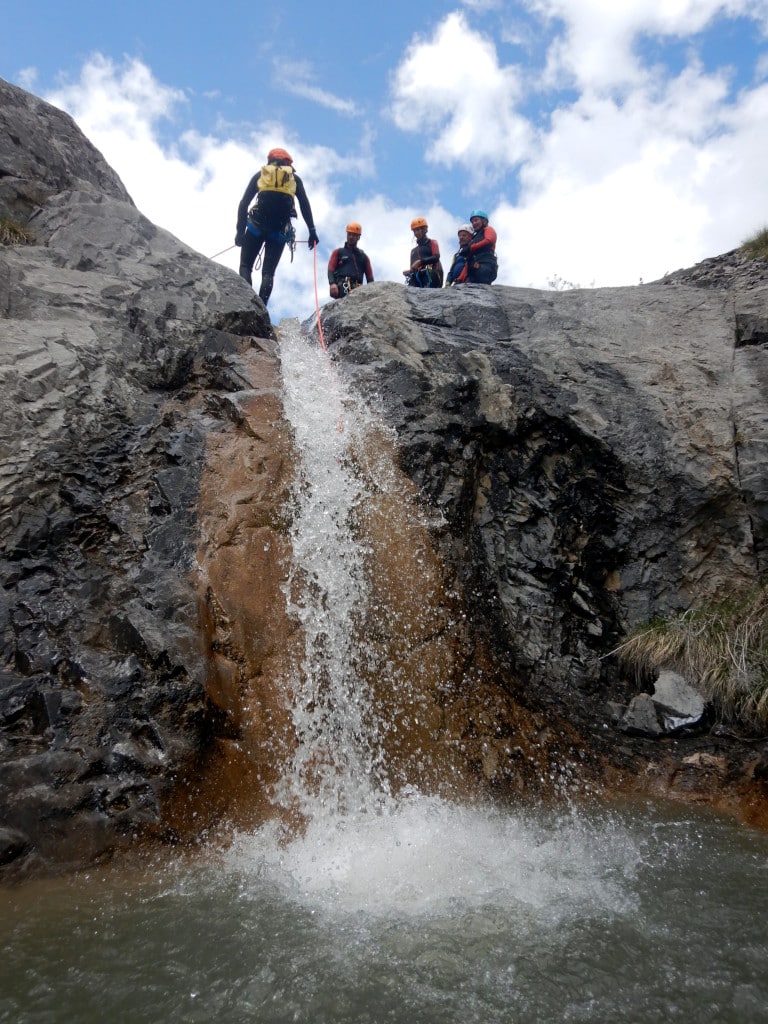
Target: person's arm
(488,241)
(333,264)
(242,210)
(306,212)
(434,256)
(368,270)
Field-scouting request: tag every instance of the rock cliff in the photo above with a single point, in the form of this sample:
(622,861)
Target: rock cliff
(116,343)
(596,459)
(599,460)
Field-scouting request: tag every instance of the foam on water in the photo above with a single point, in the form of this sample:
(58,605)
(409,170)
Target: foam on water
(426,857)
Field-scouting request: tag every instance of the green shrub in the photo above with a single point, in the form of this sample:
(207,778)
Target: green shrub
(12,233)
(756,247)
(723,649)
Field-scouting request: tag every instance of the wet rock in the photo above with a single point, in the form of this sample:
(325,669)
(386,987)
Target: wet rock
(13,844)
(707,762)
(640,718)
(596,458)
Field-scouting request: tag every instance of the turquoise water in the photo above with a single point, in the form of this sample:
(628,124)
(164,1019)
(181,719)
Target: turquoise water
(425,913)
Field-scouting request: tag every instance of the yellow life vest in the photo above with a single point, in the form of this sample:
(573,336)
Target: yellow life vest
(277,178)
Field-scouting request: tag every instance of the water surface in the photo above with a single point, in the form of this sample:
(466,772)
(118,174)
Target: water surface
(427,912)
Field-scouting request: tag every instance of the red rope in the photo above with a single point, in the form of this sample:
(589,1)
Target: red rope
(317,299)
(339,421)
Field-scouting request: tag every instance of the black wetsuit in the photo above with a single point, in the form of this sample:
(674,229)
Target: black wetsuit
(267,227)
(430,274)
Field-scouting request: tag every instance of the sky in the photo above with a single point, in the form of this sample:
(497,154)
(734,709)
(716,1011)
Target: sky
(610,141)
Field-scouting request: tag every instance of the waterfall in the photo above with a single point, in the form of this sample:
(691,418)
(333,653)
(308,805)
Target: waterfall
(367,840)
(337,765)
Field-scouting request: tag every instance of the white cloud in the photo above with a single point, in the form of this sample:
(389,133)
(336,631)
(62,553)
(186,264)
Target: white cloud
(297,77)
(453,87)
(614,186)
(619,194)
(643,172)
(596,49)
(27,78)
(128,101)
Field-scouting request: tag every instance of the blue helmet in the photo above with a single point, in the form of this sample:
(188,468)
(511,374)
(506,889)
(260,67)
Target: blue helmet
(479,213)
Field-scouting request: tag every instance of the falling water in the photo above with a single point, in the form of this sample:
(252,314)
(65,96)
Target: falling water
(337,768)
(391,904)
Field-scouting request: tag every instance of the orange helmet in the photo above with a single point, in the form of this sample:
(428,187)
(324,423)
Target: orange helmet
(279,154)
(353,228)
(418,222)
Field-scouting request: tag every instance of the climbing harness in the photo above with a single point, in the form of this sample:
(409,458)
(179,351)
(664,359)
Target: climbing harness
(427,277)
(347,285)
(286,235)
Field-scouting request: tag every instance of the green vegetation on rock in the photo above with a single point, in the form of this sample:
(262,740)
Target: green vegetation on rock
(756,247)
(722,649)
(12,233)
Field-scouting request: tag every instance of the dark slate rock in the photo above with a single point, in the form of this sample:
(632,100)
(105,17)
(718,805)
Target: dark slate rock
(112,335)
(596,455)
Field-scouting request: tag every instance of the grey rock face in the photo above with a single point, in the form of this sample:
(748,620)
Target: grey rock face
(596,455)
(112,335)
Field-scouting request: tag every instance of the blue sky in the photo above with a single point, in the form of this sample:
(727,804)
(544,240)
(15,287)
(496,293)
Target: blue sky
(610,142)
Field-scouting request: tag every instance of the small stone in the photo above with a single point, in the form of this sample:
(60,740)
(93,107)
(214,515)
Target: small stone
(640,718)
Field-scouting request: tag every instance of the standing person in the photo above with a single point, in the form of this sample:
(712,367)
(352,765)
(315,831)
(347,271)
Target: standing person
(348,264)
(458,270)
(426,270)
(482,265)
(268,223)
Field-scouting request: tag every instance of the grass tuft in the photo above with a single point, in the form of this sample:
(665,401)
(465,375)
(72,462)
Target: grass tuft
(723,649)
(756,247)
(12,233)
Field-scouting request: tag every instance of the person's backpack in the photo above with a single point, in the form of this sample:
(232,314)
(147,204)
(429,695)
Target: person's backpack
(277,178)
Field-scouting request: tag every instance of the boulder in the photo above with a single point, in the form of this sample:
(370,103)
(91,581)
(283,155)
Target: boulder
(641,719)
(679,703)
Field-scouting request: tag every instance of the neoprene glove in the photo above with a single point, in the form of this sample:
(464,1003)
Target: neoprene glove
(239,238)
(313,240)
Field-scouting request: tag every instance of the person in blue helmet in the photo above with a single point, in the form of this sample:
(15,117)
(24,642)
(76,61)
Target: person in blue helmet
(480,251)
